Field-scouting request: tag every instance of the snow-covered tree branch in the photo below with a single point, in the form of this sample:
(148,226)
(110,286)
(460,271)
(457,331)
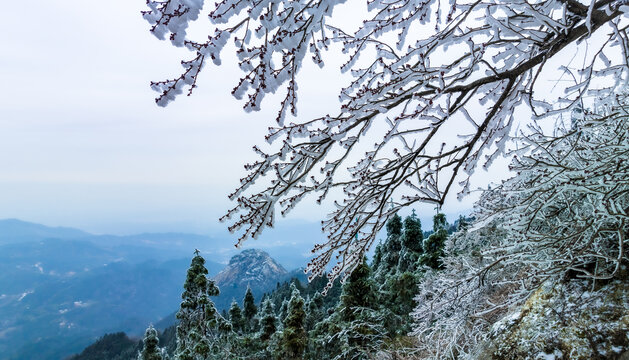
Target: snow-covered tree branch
(564,215)
(422,70)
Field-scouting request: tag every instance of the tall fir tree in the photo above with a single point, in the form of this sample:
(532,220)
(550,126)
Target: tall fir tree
(361,330)
(294,338)
(435,243)
(390,249)
(315,311)
(150,346)
(235,317)
(412,247)
(358,292)
(199,322)
(249,311)
(413,234)
(283,310)
(268,320)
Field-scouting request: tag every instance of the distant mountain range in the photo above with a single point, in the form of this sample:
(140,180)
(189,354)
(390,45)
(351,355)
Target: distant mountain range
(60,288)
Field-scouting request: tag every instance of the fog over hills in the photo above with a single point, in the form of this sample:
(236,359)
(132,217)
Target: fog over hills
(60,288)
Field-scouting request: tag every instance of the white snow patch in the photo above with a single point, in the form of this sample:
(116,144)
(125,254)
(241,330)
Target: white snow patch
(544,356)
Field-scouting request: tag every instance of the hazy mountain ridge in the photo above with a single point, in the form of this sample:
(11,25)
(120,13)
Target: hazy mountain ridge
(60,288)
(14,231)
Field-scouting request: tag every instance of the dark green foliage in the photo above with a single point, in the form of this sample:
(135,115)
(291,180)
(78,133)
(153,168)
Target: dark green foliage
(435,243)
(150,348)
(413,235)
(357,306)
(235,317)
(116,346)
(354,330)
(394,226)
(369,313)
(199,322)
(398,281)
(399,297)
(358,292)
(249,311)
(377,257)
(294,338)
(268,321)
(412,247)
(439,222)
(315,312)
(283,291)
(392,247)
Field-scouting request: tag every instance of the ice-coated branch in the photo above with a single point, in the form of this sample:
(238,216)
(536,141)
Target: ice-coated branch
(563,216)
(472,66)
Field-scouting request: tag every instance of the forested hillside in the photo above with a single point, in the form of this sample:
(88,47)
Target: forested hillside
(367,314)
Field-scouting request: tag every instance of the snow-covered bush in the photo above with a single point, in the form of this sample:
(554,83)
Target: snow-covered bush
(564,215)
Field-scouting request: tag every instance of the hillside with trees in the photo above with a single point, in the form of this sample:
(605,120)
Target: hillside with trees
(367,315)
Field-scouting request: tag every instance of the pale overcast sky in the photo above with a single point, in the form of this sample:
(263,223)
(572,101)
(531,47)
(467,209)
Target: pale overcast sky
(83,144)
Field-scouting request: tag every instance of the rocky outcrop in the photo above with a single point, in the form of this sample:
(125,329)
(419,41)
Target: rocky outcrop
(565,321)
(251,268)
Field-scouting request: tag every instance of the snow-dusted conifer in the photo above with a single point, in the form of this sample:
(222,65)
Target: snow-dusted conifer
(199,322)
(315,311)
(412,247)
(268,320)
(391,248)
(235,318)
(294,337)
(150,346)
(249,311)
(360,331)
(433,246)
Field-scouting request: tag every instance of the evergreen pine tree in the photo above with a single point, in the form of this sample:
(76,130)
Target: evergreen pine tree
(412,247)
(361,330)
(235,317)
(294,338)
(413,235)
(283,310)
(390,250)
(197,332)
(315,312)
(249,311)
(268,321)
(434,244)
(150,348)
(358,291)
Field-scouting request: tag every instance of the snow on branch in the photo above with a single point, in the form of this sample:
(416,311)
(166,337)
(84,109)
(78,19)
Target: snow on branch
(564,215)
(468,72)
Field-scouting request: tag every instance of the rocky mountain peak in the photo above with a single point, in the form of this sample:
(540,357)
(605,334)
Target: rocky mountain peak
(250,267)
